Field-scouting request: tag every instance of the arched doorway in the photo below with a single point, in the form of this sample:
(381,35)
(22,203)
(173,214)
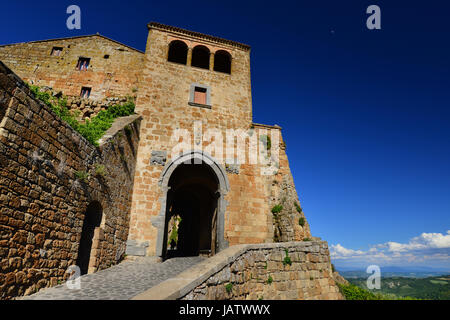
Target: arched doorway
(192,198)
(194,187)
(92,220)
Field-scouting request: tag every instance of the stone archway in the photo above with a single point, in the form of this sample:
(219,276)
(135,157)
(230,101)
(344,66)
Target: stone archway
(92,220)
(180,178)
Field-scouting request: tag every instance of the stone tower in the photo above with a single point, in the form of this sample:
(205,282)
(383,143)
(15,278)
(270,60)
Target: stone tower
(201,159)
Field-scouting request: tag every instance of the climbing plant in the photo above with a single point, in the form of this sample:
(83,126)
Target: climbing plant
(287,260)
(298,208)
(301,221)
(277,209)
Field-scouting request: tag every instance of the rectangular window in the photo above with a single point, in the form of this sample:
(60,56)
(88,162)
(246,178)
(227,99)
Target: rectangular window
(200,95)
(83,64)
(85,92)
(56,51)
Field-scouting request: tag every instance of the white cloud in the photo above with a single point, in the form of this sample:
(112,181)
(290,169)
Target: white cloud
(339,250)
(427,247)
(422,242)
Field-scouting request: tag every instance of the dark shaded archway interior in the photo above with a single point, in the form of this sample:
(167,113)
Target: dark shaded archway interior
(92,220)
(200,57)
(178,51)
(193,198)
(222,62)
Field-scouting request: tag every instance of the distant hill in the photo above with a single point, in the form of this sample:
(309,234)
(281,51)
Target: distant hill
(384,274)
(433,288)
(394,271)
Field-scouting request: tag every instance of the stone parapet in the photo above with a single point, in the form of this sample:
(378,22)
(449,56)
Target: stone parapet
(269,271)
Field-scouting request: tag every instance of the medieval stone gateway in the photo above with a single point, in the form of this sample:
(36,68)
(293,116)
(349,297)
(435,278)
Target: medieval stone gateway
(195,186)
(65,201)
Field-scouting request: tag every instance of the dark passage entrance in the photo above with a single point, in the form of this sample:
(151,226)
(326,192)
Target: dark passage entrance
(191,217)
(92,220)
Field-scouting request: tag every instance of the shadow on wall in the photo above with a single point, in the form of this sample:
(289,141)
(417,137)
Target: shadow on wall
(92,221)
(52,182)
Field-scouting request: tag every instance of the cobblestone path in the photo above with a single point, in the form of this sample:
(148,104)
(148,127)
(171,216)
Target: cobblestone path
(120,282)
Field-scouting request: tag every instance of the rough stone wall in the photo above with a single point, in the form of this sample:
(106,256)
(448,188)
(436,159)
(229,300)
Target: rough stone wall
(259,273)
(286,225)
(115,76)
(43,203)
(163,101)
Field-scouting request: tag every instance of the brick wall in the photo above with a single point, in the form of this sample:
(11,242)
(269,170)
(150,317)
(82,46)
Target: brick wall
(114,68)
(43,203)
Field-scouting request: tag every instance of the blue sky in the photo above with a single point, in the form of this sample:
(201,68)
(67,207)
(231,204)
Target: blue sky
(365,113)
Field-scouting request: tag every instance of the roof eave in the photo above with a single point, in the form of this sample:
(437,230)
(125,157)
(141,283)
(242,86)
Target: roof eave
(160,26)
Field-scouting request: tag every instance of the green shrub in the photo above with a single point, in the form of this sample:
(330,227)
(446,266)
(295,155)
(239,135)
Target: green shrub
(128,130)
(82,175)
(287,260)
(298,208)
(58,105)
(307,239)
(277,209)
(229,287)
(270,280)
(95,128)
(352,292)
(100,170)
(92,129)
(174,235)
(301,221)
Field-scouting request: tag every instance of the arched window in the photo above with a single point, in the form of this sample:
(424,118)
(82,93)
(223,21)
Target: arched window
(222,61)
(178,51)
(200,57)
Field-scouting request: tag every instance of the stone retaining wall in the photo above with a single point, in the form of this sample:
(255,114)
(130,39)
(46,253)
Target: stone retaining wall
(49,174)
(256,271)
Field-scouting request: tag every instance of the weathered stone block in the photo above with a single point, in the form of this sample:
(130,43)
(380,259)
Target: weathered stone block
(158,158)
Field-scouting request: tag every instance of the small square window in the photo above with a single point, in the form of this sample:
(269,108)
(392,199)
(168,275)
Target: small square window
(56,51)
(200,96)
(83,64)
(85,92)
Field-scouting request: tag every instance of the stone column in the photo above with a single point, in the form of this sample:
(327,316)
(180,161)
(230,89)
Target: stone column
(211,61)
(189,57)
